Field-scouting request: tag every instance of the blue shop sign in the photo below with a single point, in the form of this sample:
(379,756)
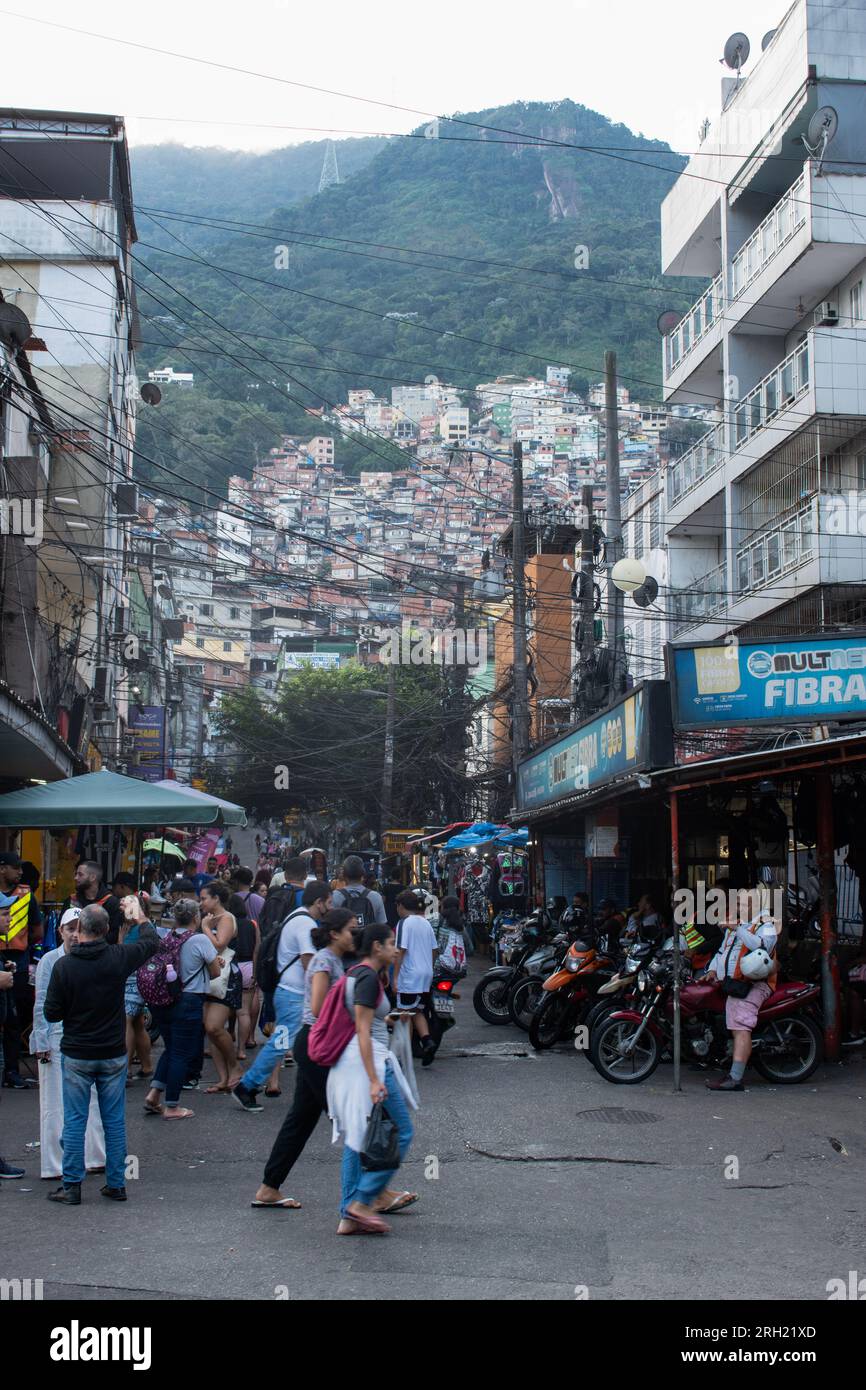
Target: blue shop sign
(632,735)
(804,680)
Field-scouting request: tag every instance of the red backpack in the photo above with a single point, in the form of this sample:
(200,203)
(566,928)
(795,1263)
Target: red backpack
(334,1028)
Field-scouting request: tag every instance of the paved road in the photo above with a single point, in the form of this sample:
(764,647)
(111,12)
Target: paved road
(548,1180)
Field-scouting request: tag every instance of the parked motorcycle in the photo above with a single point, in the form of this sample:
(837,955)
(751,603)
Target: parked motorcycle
(567,994)
(627,1045)
(491,996)
(543,963)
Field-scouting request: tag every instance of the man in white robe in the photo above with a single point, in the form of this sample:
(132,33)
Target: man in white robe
(45,1045)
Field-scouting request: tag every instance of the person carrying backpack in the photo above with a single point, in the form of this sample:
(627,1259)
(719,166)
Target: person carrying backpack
(366,903)
(282,962)
(173,984)
(334,942)
(366,1073)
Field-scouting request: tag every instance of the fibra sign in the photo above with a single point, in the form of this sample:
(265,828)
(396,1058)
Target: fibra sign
(803,680)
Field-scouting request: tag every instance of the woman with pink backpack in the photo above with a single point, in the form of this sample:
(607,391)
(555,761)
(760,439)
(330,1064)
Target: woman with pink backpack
(174,985)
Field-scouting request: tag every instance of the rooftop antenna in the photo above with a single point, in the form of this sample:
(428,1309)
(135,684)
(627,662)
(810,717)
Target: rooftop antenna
(822,128)
(736,53)
(330,173)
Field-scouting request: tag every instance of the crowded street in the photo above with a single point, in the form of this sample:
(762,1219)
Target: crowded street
(537,1180)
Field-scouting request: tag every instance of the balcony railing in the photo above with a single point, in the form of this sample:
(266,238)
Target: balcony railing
(697,463)
(776,550)
(777,228)
(694,325)
(702,599)
(775,393)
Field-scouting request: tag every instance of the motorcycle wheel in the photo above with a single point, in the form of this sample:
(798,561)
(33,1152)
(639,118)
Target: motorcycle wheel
(490,1000)
(597,1013)
(797,1044)
(523,1000)
(548,1021)
(609,1037)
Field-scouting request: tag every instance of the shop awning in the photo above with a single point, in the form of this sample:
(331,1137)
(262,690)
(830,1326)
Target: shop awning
(107,798)
(230,812)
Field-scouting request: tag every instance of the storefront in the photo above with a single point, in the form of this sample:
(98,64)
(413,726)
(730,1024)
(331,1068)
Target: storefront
(596,825)
(769,791)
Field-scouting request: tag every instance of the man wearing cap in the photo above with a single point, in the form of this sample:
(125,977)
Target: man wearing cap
(45,1045)
(23,931)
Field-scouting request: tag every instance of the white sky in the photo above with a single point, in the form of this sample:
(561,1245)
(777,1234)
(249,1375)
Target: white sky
(653,66)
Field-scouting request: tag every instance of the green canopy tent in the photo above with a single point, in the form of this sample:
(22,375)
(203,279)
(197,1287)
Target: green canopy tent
(108,798)
(231,813)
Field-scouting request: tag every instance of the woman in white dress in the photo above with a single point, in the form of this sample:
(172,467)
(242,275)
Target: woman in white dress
(45,1044)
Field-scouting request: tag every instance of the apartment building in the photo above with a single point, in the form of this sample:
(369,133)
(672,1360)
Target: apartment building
(66,235)
(761,514)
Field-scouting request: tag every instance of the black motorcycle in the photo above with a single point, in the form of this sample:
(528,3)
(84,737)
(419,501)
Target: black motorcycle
(491,998)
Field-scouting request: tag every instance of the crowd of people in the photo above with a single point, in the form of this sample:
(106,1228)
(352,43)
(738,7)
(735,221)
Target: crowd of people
(142,986)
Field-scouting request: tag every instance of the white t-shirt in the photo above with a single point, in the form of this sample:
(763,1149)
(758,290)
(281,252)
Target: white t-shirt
(295,940)
(417,938)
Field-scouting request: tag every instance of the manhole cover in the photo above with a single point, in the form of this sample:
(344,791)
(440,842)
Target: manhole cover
(503,1049)
(615,1115)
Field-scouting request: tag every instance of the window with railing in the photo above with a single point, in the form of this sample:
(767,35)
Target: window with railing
(697,463)
(702,598)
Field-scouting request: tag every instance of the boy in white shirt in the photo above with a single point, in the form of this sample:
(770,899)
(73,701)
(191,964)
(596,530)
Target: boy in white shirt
(413,966)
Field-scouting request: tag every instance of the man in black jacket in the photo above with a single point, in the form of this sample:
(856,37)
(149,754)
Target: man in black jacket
(89,888)
(85,994)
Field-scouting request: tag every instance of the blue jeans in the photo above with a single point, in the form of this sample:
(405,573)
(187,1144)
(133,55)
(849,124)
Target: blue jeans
(359,1185)
(289,1009)
(108,1075)
(182,1028)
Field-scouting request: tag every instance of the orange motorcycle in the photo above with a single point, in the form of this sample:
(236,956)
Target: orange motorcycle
(568,994)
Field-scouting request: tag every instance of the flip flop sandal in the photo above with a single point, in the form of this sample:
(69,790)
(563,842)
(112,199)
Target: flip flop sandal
(214,1090)
(400,1202)
(278,1092)
(178,1113)
(152,1109)
(369,1225)
(286,1203)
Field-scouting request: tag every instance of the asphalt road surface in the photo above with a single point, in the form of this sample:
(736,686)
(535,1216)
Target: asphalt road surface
(538,1180)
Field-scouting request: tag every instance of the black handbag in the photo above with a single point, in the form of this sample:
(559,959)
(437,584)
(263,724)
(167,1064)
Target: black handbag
(737,989)
(234,995)
(381,1151)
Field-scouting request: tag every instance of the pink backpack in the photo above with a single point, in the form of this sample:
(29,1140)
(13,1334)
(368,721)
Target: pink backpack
(334,1028)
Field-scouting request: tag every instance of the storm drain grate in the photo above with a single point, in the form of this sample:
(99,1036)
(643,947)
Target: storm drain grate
(615,1115)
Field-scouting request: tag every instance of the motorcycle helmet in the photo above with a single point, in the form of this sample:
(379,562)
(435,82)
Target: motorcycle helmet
(757,965)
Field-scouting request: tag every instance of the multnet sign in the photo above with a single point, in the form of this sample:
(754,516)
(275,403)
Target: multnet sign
(806,680)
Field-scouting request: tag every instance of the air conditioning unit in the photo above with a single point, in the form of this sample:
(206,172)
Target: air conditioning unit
(101,687)
(826,315)
(126,501)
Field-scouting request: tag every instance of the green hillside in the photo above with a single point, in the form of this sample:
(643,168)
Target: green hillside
(452,256)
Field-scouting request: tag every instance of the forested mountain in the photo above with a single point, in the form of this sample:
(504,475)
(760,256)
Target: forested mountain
(452,255)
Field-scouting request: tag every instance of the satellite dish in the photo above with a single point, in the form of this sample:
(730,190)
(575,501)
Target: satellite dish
(737,51)
(767,40)
(14,326)
(150,394)
(822,128)
(668,320)
(647,593)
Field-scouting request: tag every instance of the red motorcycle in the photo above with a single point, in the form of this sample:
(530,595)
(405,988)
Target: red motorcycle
(627,1045)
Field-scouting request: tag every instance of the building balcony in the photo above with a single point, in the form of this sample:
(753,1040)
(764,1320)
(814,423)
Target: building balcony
(777,550)
(776,230)
(701,600)
(774,394)
(704,458)
(698,332)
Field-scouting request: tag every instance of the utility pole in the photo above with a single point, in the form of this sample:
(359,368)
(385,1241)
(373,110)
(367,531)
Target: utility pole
(388,768)
(613,530)
(456,737)
(587,603)
(520,704)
